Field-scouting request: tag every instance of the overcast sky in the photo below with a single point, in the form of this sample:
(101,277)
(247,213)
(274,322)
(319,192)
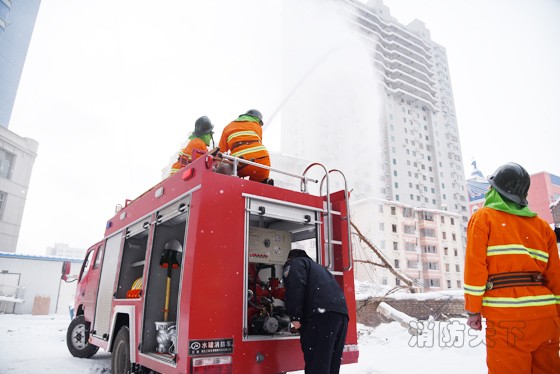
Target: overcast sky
(111,89)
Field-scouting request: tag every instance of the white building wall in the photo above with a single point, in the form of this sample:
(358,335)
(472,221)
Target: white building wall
(39,277)
(14,184)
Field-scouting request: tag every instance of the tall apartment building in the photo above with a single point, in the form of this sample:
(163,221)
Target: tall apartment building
(422,153)
(411,123)
(17,20)
(17,154)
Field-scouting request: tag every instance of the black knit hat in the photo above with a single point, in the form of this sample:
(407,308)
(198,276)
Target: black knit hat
(297,253)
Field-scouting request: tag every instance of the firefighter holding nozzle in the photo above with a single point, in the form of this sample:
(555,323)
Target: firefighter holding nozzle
(199,140)
(512,278)
(317,308)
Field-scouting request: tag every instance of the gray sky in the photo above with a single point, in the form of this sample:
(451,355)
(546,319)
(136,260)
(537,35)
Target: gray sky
(111,90)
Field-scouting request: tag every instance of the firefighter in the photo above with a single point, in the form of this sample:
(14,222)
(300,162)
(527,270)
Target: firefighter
(317,308)
(243,139)
(198,144)
(512,278)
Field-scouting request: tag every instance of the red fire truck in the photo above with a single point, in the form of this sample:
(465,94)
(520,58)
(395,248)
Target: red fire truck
(188,276)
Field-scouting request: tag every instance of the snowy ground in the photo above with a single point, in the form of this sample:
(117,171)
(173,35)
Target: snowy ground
(36,344)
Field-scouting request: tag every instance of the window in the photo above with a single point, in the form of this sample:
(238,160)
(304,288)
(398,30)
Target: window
(442,219)
(396,263)
(384,281)
(429,249)
(448,284)
(454,237)
(455,252)
(459,284)
(86,265)
(394,228)
(427,232)
(6,163)
(98,258)
(444,235)
(447,268)
(393,211)
(431,282)
(412,264)
(457,268)
(431,266)
(428,216)
(407,212)
(452,220)
(3,197)
(409,229)
(411,247)
(445,251)
(396,246)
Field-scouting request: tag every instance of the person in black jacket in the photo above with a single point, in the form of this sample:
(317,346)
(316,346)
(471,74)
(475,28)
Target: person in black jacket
(317,308)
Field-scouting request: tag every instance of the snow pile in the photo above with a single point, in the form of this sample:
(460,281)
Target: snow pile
(365,290)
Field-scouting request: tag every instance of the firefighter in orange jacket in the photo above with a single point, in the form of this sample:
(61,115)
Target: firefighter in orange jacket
(512,278)
(243,138)
(198,144)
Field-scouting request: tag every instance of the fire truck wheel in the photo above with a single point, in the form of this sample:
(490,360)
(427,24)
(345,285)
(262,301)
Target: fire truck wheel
(120,361)
(77,338)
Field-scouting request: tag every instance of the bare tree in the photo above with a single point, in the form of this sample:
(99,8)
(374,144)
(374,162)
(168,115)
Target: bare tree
(385,263)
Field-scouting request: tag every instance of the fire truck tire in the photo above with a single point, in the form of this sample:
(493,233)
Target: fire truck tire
(120,361)
(77,338)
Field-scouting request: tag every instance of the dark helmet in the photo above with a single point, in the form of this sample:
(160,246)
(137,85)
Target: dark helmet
(512,182)
(255,113)
(203,126)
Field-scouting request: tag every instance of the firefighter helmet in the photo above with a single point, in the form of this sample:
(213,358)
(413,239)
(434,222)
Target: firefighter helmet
(203,126)
(512,181)
(255,113)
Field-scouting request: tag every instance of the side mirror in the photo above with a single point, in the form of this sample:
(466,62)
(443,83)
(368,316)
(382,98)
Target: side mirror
(65,270)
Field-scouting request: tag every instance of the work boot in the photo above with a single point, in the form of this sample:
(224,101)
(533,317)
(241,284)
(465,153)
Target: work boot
(268,181)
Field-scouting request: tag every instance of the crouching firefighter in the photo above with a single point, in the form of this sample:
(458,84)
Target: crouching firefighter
(243,138)
(512,278)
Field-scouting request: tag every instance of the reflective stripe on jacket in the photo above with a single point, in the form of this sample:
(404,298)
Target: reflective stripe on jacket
(243,139)
(499,242)
(186,154)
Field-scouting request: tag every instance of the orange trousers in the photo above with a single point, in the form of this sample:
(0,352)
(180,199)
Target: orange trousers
(523,347)
(255,173)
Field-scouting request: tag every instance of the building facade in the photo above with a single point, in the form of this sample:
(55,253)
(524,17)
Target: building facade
(395,136)
(423,164)
(424,245)
(477,186)
(17,156)
(17,20)
(544,191)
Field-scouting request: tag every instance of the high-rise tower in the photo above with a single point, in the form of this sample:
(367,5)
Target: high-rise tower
(399,147)
(17,154)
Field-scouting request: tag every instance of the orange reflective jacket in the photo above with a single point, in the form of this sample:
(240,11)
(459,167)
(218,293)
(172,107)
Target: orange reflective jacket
(191,152)
(499,242)
(243,139)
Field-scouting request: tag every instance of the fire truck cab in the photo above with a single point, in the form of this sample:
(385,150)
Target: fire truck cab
(187,278)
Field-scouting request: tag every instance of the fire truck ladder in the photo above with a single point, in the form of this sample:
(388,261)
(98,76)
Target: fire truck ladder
(330,241)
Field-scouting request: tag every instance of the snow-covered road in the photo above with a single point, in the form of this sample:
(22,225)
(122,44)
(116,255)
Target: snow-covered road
(37,344)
